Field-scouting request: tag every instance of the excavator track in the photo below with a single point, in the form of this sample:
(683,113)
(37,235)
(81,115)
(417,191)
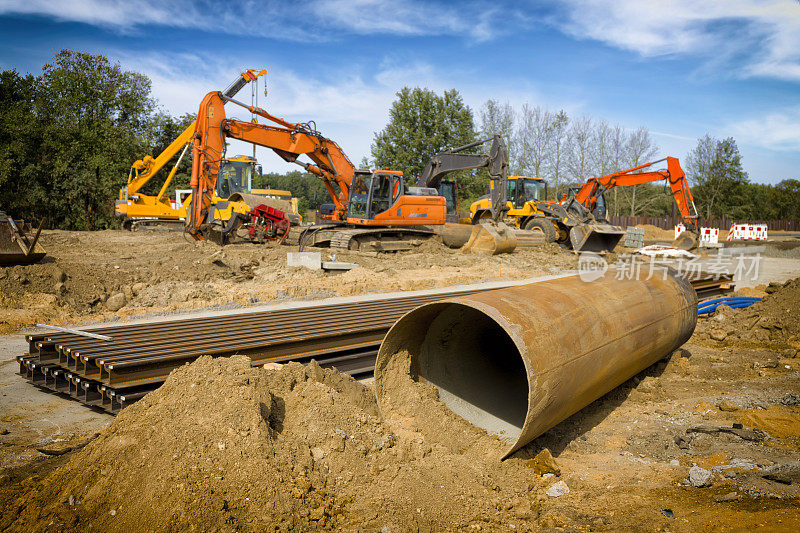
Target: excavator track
(379,239)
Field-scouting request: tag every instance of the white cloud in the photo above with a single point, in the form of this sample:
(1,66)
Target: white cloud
(308,20)
(776,131)
(348,109)
(766,32)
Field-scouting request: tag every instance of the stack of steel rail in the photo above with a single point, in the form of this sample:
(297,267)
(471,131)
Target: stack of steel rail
(116,373)
(113,374)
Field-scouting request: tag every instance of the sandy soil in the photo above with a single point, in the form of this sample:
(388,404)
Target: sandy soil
(156,272)
(223,446)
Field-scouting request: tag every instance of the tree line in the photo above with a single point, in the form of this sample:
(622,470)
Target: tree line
(69,135)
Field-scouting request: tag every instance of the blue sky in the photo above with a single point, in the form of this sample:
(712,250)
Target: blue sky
(681,68)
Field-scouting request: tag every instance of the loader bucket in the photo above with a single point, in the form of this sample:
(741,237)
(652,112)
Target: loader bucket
(686,241)
(490,238)
(17,247)
(595,237)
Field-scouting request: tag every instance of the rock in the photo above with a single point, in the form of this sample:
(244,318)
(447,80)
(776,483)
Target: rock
(128,292)
(789,353)
(60,276)
(773,287)
(728,406)
(115,302)
(544,463)
(718,335)
(317,453)
(136,288)
(59,288)
(674,462)
(700,477)
(704,408)
(790,399)
(557,489)
(730,497)
(4,431)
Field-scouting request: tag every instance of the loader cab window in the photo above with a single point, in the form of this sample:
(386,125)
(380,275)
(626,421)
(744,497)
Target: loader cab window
(534,190)
(233,177)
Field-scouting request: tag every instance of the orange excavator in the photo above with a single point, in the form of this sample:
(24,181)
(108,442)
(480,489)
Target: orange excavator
(590,193)
(371,210)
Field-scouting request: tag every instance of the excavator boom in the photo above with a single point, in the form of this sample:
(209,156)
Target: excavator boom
(674,175)
(289,140)
(143,170)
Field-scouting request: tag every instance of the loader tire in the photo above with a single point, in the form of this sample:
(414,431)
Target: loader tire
(543,225)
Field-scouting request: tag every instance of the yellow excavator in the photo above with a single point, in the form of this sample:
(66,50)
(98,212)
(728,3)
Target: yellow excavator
(234,192)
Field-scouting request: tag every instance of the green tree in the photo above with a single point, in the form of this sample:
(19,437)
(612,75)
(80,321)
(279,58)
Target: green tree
(94,113)
(160,131)
(787,199)
(421,124)
(720,182)
(21,191)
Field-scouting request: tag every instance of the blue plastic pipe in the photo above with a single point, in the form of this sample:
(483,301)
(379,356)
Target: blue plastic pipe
(734,302)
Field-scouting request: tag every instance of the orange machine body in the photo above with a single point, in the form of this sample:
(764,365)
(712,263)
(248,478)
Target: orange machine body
(329,163)
(674,174)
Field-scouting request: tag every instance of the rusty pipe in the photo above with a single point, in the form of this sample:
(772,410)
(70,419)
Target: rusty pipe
(519,360)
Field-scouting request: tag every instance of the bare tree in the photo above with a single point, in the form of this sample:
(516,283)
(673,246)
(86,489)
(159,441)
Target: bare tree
(640,148)
(498,119)
(558,149)
(618,140)
(580,146)
(533,139)
(602,148)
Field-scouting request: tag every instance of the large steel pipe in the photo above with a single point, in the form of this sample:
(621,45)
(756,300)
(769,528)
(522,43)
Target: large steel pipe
(517,361)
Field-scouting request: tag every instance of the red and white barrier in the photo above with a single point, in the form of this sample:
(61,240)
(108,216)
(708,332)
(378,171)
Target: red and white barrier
(756,232)
(709,235)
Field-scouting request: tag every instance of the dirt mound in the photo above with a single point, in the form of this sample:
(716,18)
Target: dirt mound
(151,272)
(654,233)
(774,320)
(224,446)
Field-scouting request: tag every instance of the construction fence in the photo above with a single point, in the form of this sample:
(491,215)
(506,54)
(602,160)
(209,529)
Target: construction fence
(723,223)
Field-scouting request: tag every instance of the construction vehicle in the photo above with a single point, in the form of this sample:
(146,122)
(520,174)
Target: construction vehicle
(371,210)
(141,210)
(580,221)
(17,247)
(492,236)
(590,195)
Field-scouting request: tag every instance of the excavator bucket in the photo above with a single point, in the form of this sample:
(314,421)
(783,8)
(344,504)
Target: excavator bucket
(17,247)
(688,240)
(595,237)
(490,238)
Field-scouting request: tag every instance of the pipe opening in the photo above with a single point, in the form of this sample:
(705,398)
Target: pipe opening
(477,369)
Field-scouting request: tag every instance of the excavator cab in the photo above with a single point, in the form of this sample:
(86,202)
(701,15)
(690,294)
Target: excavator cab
(373,193)
(449,189)
(599,211)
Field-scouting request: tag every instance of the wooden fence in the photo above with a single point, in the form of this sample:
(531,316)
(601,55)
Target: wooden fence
(723,223)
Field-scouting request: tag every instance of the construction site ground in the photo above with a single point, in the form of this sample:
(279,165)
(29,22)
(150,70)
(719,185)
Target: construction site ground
(222,446)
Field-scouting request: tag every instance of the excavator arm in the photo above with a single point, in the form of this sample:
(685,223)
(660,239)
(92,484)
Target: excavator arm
(496,161)
(674,175)
(288,140)
(143,170)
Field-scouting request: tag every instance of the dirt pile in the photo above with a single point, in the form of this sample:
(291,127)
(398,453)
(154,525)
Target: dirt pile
(654,233)
(774,320)
(97,275)
(224,446)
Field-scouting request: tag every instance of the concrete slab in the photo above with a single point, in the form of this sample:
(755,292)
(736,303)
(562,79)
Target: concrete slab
(312,260)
